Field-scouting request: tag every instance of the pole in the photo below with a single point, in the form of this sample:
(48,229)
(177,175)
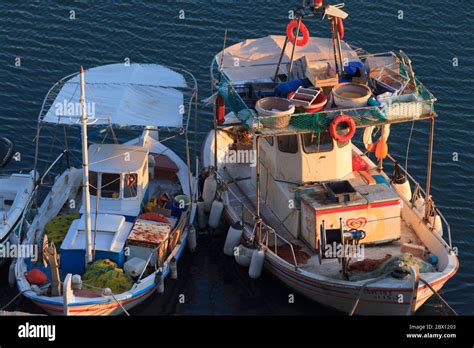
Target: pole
(294,45)
(430,165)
(281,58)
(257,205)
(85,166)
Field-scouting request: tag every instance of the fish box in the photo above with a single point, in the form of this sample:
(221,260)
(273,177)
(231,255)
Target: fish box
(146,236)
(375,209)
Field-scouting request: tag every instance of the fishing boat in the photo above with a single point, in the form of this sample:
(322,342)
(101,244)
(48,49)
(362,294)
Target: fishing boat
(338,220)
(15,192)
(110,231)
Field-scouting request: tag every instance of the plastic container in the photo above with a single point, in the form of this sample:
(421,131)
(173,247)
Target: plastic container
(317,105)
(351,95)
(179,205)
(285,88)
(274,113)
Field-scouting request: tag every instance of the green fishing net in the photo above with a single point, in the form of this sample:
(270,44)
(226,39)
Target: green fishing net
(57,227)
(393,264)
(105,274)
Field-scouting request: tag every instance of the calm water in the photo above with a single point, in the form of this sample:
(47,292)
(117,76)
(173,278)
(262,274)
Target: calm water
(51,45)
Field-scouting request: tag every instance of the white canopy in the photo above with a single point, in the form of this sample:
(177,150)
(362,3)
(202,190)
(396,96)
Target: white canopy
(256,59)
(133,95)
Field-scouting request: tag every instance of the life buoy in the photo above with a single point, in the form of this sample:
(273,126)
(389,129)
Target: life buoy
(291,35)
(340,28)
(367,138)
(220,109)
(336,122)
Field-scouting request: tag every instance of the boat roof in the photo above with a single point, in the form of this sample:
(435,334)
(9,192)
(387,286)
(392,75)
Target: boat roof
(258,58)
(119,94)
(114,158)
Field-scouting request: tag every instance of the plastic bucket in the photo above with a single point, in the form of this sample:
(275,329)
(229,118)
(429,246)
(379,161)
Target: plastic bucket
(179,205)
(274,112)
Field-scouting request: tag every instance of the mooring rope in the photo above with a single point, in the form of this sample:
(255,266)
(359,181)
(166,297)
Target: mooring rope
(439,296)
(11,301)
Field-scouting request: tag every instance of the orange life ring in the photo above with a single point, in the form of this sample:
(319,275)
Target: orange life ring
(340,28)
(291,35)
(336,122)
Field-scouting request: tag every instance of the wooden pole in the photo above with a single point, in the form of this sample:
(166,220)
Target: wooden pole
(85,166)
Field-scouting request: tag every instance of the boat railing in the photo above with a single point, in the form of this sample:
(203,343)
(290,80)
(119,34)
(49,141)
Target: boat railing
(263,240)
(179,227)
(420,190)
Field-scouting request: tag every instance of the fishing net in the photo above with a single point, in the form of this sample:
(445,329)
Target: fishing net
(394,264)
(105,274)
(57,227)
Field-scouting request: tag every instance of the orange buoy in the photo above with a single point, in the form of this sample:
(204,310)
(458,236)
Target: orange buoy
(36,277)
(381,150)
(291,35)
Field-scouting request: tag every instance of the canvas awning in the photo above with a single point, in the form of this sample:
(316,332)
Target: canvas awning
(133,95)
(256,59)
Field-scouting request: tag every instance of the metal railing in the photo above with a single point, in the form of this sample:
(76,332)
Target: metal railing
(420,189)
(269,230)
(179,227)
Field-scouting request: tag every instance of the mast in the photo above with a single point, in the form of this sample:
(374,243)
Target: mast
(85,166)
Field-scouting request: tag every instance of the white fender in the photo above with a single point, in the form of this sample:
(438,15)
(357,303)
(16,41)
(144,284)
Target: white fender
(233,238)
(209,192)
(243,255)
(256,264)
(160,282)
(11,275)
(216,213)
(404,190)
(192,239)
(367,138)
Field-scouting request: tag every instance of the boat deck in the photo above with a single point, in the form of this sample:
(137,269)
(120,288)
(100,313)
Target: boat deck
(242,195)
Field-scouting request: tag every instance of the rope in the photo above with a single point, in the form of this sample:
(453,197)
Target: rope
(439,296)
(351,313)
(408,145)
(113,296)
(11,301)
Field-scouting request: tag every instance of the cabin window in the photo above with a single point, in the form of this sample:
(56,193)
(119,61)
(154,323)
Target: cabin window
(288,144)
(110,186)
(317,142)
(93,183)
(130,185)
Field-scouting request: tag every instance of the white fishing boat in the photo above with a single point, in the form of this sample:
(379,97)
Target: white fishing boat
(15,193)
(109,232)
(304,200)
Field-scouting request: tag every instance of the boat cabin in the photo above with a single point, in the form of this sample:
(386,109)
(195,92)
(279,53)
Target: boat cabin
(118,175)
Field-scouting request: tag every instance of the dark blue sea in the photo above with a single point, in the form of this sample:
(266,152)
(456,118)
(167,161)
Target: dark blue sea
(52,39)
